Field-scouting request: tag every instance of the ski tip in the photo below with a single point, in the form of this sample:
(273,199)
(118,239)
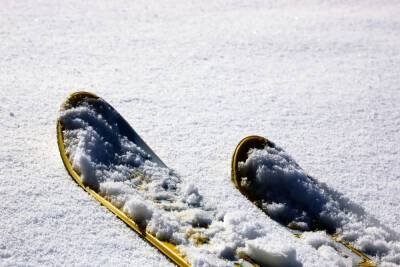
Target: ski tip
(76,97)
(241,153)
(169,249)
(82,94)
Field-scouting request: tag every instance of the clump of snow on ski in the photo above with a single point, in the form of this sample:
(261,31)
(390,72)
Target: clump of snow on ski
(159,201)
(291,197)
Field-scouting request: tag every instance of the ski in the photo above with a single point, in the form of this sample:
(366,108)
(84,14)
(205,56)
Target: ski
(246,176)
(168,249)
(107,158)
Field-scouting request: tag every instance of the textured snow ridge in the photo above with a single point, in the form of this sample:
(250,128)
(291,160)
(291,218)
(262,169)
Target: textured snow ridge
(158,200)
(293,198)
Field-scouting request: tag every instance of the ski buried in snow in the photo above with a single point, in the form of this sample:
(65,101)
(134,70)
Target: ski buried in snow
(168,249)
(91,135)
(107,158)
(259,196)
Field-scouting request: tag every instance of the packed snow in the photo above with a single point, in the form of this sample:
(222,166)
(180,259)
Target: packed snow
(292,197)
(319,78)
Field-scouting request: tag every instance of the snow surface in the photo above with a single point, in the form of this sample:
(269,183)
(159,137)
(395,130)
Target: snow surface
(320,79)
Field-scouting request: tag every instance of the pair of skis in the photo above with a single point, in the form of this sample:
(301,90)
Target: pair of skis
(167,248)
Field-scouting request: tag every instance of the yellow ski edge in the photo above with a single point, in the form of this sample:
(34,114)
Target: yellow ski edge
(168,249)
(236,155)
(367,262)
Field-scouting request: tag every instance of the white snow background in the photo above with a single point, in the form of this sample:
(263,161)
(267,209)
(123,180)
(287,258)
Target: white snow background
(321,79)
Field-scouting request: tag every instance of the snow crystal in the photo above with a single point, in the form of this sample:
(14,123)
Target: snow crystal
(138,210)
(317,239)
(192,196)
(328,252)
(196,217)
(164,228)
(274,256)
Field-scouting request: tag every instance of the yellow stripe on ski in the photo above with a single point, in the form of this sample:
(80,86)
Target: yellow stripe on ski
(367,262)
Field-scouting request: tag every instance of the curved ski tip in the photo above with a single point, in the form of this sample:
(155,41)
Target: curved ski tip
(83,93)
(168,249)
(75,97)
(241,153)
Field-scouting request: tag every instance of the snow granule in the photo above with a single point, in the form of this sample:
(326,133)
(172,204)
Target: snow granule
(274,256)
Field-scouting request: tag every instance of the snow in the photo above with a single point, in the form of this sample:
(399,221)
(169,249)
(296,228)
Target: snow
(320,79)
(275,255)
(317,239)
(330,253)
